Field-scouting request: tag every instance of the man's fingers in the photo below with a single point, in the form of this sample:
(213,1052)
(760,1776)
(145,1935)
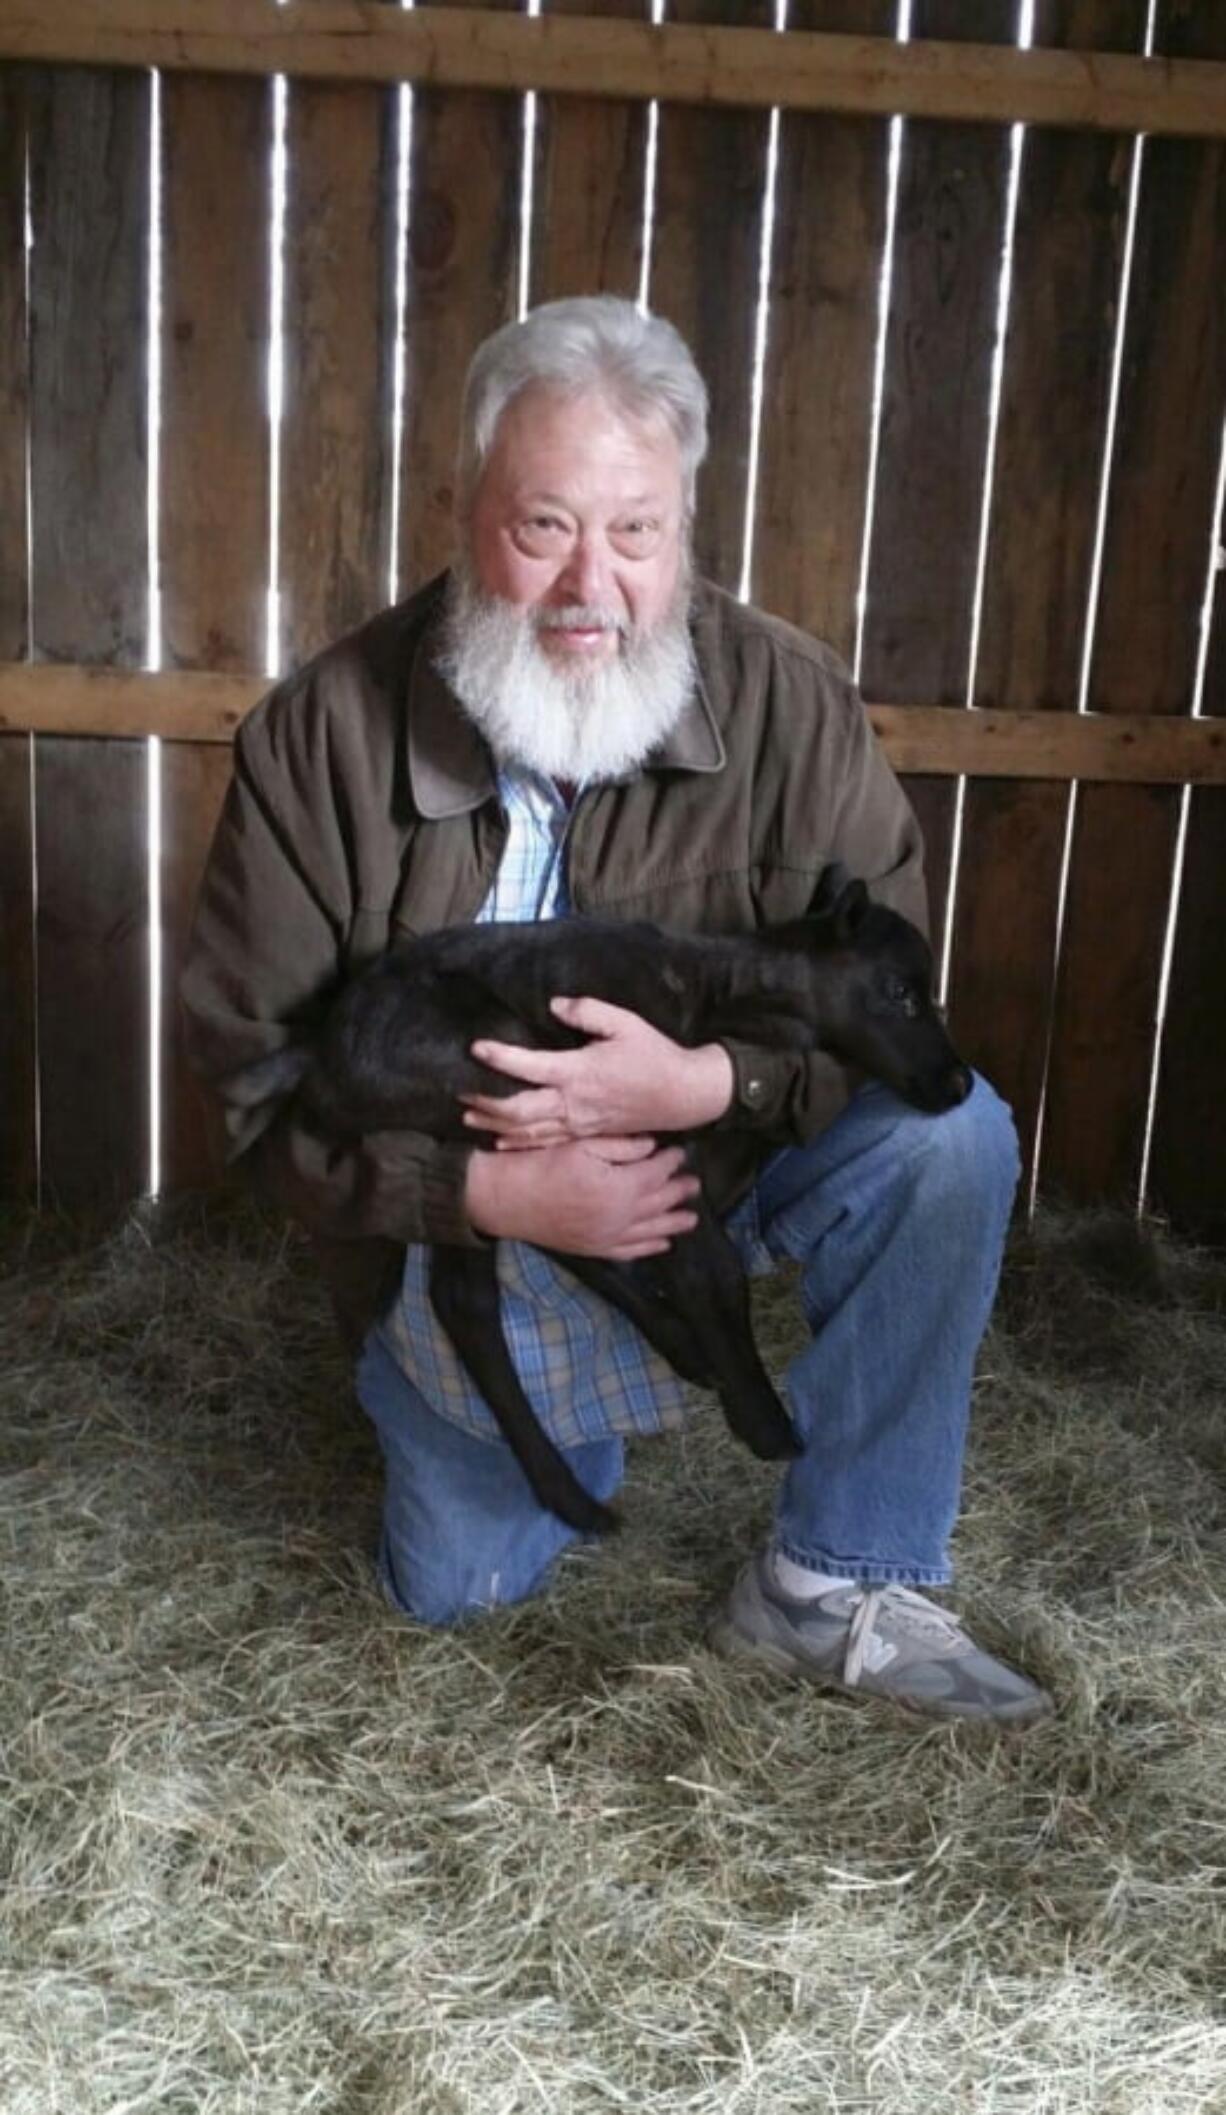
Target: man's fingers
(617,1151)
(655,1238)
(595,1016)
(539,1066)
(511,1112)
(532,1139)
(666,1227)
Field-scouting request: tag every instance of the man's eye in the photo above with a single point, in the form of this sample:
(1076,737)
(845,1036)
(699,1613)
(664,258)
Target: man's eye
(539,533)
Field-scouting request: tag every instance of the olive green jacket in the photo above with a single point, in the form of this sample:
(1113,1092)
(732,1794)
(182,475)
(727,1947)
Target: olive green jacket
(363,809)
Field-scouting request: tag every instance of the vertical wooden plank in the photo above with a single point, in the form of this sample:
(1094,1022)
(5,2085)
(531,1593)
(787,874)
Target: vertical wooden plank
(339,349)
(18,990)
(14,377)
(704,277)
(1068,243)
(1187,1180)
(214,498)
(89,166)
(934,432)
(830,208)
(464,188)
(216,136)
(18,1133)
(1173,388)
(589,233)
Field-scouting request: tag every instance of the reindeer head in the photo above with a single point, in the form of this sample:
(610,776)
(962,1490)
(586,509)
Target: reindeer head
(874,994)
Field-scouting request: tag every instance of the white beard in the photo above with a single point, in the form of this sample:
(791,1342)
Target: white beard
(587,723)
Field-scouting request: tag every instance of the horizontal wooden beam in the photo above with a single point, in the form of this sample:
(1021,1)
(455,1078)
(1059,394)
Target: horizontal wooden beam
(53,697)
(191,706)
(364,40)
(1151,749)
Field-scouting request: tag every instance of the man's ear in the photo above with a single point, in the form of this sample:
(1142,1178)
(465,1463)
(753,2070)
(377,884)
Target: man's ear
(842,899)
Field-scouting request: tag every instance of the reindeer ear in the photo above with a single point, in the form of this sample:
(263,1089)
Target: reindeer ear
(842,899)
(831,883)
(851,909)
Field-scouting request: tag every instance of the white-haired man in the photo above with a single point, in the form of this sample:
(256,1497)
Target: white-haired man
(568,722)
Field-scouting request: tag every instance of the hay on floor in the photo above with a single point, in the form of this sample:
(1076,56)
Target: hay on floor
(269,1848)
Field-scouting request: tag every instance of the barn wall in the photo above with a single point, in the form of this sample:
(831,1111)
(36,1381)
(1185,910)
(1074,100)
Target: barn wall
(895,476)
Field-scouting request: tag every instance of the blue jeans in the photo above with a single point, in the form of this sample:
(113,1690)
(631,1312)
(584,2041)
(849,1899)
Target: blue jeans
(898,1221)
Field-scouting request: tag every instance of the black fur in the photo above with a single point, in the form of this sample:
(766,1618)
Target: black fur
(852,978)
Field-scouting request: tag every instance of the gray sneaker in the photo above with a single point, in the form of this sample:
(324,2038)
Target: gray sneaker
(883,1641)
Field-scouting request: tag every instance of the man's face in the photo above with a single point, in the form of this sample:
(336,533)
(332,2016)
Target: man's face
(578,515)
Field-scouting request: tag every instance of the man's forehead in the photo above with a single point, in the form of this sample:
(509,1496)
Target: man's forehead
(544,421)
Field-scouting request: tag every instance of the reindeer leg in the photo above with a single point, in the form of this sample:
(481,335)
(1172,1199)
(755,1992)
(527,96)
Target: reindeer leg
(697,1315)
(639,1291)
(464,1295)
(706,1283)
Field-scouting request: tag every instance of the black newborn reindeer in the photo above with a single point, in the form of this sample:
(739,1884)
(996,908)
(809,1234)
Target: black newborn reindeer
(851,978)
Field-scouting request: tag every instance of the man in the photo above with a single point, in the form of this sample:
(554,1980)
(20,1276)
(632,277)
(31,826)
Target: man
(568,722)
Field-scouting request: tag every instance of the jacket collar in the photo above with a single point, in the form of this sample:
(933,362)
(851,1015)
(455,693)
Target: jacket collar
(451,770)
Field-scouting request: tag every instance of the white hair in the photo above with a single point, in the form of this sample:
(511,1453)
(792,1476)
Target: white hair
(582,723)
(593,342)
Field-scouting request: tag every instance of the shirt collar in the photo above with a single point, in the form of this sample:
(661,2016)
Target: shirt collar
(451,770)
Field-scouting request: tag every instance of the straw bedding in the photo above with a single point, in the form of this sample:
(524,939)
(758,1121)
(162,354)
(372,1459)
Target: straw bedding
(269,1848)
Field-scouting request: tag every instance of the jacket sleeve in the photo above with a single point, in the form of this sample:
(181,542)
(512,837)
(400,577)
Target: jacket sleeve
(265,954)
(868,824)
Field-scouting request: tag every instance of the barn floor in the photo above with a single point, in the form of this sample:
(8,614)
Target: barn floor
(270,1849)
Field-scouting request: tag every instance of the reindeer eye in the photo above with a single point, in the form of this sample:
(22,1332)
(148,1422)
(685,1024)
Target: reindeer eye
(904,997)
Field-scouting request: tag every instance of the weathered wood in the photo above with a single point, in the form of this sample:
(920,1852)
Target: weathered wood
(14,371)
(934,430)
(187,709)
(1067,250)
(75,699)
(464,188)
(18,1054)
(1107,748)
(18,1089)
(710,176)
(589,194)
(1173,388)
(214,505)
(817,389)
(339,348)
(214,445)
(89,140)
(737,65)
(193,786)
(1187,1175)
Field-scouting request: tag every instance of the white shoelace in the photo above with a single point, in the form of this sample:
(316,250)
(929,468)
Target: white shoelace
(865,1649)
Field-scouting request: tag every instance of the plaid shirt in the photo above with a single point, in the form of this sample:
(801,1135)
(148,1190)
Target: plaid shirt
(584,1367)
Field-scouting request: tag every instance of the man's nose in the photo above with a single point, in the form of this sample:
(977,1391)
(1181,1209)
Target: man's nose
(587,574)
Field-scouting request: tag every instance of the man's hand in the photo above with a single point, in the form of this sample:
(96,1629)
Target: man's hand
(628,1080)
(615,1197)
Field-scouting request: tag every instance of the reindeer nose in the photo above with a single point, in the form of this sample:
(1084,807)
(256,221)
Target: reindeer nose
(960,1082)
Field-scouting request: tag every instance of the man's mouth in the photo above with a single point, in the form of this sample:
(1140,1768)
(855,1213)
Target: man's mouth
(579,631)
(578,638)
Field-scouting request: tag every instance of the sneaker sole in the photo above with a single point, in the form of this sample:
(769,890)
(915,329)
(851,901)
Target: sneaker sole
(732,1644)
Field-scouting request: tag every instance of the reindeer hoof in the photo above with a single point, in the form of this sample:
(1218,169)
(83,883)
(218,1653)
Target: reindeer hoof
(768,1432)
(585,1514)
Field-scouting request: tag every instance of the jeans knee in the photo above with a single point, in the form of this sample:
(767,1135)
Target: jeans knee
(968,1155)
(443,1598)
